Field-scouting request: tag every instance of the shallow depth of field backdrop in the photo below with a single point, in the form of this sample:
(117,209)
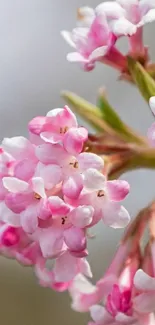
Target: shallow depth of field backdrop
(33,70)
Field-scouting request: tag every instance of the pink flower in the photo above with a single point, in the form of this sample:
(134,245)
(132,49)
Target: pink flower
(127,18)
(92,40)
(66,267)
(22,152)
(28,200)
(104,196)
(60,126)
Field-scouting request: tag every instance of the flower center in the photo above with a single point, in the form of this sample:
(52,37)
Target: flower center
(63,220)
(64,130)
(100,193)
(75,164)
(37,196)
(119,301)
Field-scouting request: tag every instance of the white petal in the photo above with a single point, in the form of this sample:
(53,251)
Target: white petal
(65,267)
(93,179)
(68,38)
(38,186)
(90,160)
(114,215)
(99,52)
(76,57)
(14,185)
(6,215)
(85,16)
(18,147)
(148,18)
(81,284)
(144,303)
(100,315)
(110,9)
(152,104)
(143,281)
(85,268)
(124,27)
(124,319)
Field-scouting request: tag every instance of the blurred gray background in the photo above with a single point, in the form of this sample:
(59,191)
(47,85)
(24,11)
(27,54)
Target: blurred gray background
(33,70)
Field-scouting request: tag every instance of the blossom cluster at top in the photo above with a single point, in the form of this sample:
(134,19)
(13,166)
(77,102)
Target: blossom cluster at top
(51,192)
(97,31)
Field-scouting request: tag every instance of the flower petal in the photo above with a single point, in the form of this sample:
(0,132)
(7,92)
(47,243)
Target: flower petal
(111,9)
(58,206)
(51,154)
(51,241)
(19,147)
(99,52)
(144,303)
(152,104)
(73,186)
(88,160)
(15,185)
(75,239)
(25,169)
(6,215)
(143,281)
(76,57)
(124,27)
(29,219)
(100,315)
(68,38)
(51,175)
(66,267)
(125,319)
(114,215)
(38,186)
(18,202)
(82,216)
(151,134)
(93,179)
(148,18)
(74,139)
(85,268)
(117,189)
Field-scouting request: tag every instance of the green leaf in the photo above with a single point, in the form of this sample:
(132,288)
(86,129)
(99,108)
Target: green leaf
(142,79)
(114,121)
(89,112)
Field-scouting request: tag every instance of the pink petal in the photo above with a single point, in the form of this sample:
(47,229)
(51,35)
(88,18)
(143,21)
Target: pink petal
(79,254)
(93,179)
(151,134)
(57,206)
(144,303)
(66,267)
(9,236)
(44,276)
(100,315)
(39,124)
(19,147)
(75,239)
(114,215)
(6,162)
(143,281)
(51,137)
(62,118)
(6,215)
(51,154)
(74,139)
(88,160)
(99,52)
(29,219)
(51,241)
(73,186)
(124,319)
(18,202)
(38,186)
(152,104)
(51,174)
(3,190)
(44,209)
(25,169)
(117,189)
(15,185)
(82,216)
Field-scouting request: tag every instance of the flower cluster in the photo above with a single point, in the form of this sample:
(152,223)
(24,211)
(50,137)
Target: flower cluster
(51,192)
(97,31)
(126,292)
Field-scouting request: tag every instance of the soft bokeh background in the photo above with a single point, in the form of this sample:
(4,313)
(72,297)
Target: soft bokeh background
(33,70)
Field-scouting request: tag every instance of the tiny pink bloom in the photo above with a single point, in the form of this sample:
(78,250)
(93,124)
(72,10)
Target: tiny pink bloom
(92,41)
(9,236)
